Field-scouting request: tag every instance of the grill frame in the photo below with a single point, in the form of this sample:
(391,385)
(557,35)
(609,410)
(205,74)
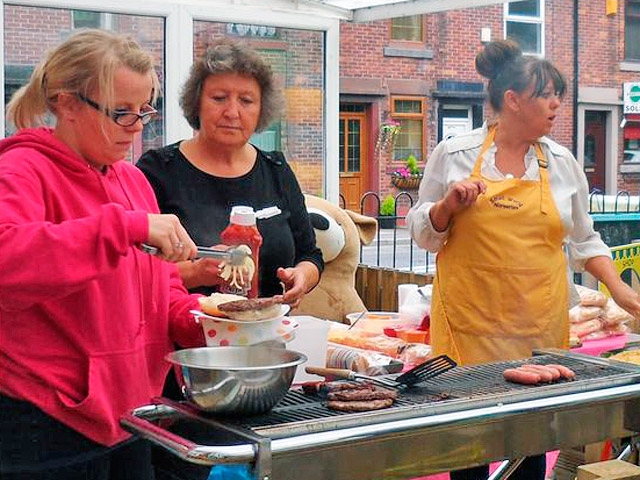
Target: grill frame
(413,439)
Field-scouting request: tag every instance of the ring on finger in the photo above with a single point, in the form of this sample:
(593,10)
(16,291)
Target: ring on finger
(179,245)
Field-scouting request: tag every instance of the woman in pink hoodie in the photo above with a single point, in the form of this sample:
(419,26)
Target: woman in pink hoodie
(85,316)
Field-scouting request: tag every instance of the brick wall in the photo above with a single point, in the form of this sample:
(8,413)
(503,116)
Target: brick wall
(454,39)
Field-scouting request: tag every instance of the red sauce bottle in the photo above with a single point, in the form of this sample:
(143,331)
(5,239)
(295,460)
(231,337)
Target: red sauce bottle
(242,230)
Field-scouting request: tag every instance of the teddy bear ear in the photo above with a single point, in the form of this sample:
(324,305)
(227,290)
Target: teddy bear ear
(367,226)
(330,237)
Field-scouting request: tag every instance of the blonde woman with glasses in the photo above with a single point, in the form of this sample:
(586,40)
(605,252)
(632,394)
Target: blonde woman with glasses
(86,317)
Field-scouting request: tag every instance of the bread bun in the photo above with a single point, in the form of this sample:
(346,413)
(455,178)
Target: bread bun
(251,309)
(209,305)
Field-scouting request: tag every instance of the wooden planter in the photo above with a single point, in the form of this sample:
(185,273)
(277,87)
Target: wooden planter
(410,183)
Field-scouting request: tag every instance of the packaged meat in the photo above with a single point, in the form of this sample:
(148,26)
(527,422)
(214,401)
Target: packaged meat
(590,297)
(367,341)
(415,353)
(361,361)
(581,313)
(581,329)
(614,314)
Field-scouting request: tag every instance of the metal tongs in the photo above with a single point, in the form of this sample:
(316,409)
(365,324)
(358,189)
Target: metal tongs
(234,255)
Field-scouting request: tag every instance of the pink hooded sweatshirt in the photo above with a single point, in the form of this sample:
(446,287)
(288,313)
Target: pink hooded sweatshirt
(85,317)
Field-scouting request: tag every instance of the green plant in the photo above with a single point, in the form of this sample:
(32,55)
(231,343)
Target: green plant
(412,165)
(388,206)
(410,169)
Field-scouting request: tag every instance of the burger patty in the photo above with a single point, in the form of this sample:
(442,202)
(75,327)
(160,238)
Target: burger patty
(354,396)
(248,304)
(359,406)
(363,395)
(325,388)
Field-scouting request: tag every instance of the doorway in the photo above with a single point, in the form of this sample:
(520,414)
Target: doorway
(456,119)
(353,155)
(595,138)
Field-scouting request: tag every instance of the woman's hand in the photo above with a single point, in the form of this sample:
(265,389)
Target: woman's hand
(605,271)
(203,272)
(459,196)
(627,298)
(167,233)
(298,281)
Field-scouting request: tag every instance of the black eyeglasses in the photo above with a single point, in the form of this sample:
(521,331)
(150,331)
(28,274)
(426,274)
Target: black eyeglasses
(122,117)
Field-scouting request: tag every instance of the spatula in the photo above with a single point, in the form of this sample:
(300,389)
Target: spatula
(429,369)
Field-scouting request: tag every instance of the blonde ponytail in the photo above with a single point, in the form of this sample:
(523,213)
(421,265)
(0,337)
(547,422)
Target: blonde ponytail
(28,104)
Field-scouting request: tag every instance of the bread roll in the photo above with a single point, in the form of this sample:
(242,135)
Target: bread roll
(209,305)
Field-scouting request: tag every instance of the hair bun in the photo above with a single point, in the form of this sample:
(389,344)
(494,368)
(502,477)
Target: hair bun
(495,56)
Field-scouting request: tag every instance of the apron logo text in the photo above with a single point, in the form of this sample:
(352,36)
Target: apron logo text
(510,203)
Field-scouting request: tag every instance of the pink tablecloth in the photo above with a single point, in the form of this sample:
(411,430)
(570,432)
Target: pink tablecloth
(591,347)
(551,461)
(596,347)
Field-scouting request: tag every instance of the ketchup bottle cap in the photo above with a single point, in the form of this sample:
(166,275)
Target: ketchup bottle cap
(241,215)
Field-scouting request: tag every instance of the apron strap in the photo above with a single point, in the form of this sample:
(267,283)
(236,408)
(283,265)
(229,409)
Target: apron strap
(545,193)
(488,140)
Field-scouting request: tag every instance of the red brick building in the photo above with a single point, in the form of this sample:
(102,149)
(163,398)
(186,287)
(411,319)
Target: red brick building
(420,72)
(416,71)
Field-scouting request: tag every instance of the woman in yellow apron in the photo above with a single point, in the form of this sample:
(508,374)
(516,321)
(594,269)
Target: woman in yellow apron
(498,205)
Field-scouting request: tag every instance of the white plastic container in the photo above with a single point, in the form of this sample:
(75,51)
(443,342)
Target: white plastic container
(311,338)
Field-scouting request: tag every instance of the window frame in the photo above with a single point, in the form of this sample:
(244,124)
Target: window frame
(105,19)
(423,32)
(399,116)
(530,20)
(628,15)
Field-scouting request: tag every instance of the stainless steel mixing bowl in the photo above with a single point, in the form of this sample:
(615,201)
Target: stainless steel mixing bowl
(235,380)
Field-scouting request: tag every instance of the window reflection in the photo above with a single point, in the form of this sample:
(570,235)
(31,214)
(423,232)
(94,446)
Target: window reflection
(25,44)
(297,58)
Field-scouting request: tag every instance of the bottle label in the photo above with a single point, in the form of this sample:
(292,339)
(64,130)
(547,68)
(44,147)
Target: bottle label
(238,277)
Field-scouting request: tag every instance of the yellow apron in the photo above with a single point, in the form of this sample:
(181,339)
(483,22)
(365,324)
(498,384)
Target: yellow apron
(501,282)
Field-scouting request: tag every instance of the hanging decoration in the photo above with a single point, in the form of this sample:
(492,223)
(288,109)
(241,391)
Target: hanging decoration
(386,136)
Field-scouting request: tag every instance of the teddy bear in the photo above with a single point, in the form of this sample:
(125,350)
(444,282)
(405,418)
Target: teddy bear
(339,233)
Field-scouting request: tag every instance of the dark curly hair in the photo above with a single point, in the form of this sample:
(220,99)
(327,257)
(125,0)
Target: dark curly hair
(503,63)
(228,56)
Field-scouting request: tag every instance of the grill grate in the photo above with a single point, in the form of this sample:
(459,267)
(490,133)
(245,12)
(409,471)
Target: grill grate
(461,387)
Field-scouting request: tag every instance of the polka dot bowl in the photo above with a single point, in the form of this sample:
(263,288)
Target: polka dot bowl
(220,332)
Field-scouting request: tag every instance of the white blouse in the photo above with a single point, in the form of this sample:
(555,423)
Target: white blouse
(454,159)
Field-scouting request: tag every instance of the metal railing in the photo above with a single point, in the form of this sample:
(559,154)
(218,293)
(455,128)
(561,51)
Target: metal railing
(392,247)
(616,217)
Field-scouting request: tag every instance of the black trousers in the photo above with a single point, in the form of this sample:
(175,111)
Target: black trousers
(532,468)
(34,446)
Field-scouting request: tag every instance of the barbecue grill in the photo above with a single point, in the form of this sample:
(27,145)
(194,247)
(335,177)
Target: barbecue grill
(465,417)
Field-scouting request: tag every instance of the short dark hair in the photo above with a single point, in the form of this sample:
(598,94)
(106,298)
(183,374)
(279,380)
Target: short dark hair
(503,63)
(228,56)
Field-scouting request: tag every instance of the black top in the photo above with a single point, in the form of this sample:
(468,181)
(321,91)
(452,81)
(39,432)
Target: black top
(203,203)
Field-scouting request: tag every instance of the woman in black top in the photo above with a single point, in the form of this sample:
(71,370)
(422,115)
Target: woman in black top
(229,95)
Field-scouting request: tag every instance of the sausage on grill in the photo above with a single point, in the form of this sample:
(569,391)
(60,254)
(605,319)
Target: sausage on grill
(566,372)
(525,377)
(532,374)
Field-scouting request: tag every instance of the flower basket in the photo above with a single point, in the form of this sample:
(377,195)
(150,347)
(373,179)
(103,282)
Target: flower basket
(406,183)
